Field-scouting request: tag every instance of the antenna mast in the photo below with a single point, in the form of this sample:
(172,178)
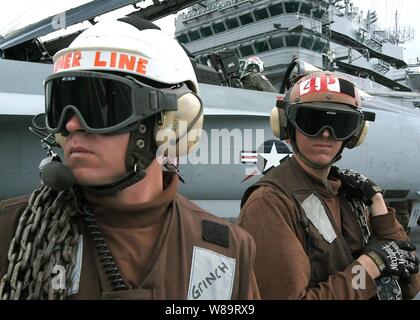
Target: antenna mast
(400,36)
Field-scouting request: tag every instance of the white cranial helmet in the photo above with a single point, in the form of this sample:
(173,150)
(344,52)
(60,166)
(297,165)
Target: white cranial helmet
(250,62)
(123,47)
(137,47)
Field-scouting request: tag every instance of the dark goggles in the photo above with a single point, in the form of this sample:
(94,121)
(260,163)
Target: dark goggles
(104,103)
(312,121)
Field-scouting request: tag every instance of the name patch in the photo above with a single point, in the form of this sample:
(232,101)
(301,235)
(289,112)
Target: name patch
(212,275)
(316,213)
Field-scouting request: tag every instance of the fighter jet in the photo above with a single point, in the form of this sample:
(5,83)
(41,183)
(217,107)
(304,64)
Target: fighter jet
(238,145)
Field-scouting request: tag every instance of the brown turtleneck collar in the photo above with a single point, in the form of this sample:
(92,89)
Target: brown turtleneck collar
(137,215)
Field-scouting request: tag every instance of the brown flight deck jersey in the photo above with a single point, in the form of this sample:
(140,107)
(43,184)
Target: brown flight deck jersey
(131,231)
(166,249)
(321,262)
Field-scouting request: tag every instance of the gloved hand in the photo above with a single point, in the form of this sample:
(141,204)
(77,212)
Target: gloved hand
(357,184)
(393,258)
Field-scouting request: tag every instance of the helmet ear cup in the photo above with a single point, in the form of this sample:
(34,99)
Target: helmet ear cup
(278,123)
(179,132)
(275,122)
(358,139)
(60,139)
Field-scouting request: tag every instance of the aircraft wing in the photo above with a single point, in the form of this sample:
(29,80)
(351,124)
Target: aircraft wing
(79,14)
(88,12)
(164,8)
(21,104)
(208,111)
(219,100)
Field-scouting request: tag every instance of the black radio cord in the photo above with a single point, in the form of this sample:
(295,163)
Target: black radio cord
(107,260)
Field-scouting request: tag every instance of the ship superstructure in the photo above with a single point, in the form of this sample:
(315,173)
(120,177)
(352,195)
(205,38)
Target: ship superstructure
(329,34)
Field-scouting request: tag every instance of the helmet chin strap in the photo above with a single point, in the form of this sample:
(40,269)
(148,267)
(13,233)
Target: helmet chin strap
(307,161)
(141,152)
(316,166)
(113,188)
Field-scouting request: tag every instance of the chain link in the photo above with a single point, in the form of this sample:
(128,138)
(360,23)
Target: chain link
(360,211)
(46,235)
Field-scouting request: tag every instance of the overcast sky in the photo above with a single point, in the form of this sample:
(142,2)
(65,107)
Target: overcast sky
(18,13)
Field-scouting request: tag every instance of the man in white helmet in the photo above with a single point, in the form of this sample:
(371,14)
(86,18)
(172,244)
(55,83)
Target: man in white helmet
(120,230)
(253,77)
(314,235)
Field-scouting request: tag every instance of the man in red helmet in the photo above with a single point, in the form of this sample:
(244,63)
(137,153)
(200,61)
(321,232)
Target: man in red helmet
(314,234)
